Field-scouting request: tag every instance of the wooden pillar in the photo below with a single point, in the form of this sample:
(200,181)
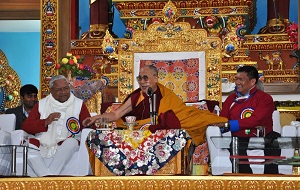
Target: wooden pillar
(64,28)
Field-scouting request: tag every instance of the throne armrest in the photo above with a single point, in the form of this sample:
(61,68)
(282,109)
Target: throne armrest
(220,158)
(17,136)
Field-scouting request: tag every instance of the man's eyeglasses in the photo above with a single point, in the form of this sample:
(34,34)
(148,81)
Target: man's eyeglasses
(145,77)
(59,90)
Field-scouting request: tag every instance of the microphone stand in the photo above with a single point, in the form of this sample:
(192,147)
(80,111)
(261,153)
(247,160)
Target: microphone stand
(154,109)
(151,112)
(149,93)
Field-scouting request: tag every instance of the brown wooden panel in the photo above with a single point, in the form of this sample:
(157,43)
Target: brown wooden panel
(19,4)
(281,88)
(20,15)
(20,10)
(64,25)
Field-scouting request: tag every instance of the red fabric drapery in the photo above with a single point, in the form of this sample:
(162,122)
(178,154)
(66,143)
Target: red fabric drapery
(74,19)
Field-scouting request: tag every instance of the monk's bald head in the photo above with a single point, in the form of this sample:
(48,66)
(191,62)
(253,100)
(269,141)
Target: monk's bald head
(148,77)
(151,67)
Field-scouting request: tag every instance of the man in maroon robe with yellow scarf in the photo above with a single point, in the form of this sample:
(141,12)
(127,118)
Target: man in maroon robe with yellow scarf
(172,111)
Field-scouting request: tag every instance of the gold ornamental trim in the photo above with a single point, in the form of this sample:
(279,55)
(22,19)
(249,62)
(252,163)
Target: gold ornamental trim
(270,46)
(231,67)
(98,27)
(190,3)
(165,182)
(113,79)
(281,79)
(114,69)
(189,7)
(88,43)
(87,51)
(267,38)
(236,59)
(268,42)
(185,13)
(287,75)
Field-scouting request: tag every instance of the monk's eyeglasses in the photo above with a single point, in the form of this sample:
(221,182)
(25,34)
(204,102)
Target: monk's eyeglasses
(145,77)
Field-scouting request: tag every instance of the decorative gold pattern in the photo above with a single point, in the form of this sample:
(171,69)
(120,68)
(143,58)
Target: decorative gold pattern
(230,42)
(94,103)
(114,69)
(261,182)
(147,9)
(268,42)
(141,12)
(170,12)
(89,43)
(275,26)
(275,59)
(97,31)
(113,79)
(109,46)
(187,12)
(49,41)
(171,37)
(10,80)
(232,66)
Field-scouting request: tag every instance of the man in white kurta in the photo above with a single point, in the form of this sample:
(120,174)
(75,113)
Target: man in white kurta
(56,124)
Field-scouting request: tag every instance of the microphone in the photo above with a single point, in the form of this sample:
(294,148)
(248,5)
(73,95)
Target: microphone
(149,92)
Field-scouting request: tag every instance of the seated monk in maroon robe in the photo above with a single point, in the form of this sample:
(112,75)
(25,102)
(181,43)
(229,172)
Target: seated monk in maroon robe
(172,111)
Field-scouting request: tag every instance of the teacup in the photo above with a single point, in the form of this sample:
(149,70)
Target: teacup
(102,122)
(130,119)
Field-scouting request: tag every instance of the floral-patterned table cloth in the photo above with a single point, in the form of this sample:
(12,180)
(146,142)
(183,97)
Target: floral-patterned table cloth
(136,152)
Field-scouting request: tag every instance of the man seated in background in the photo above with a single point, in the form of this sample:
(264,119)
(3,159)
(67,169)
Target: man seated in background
(172,111)
(248,108)
(56,122)
(28,95)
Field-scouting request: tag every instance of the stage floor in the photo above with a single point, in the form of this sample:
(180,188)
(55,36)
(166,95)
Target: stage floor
(254,182)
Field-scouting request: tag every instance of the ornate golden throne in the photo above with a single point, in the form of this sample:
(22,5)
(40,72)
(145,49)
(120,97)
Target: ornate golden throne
(166,40)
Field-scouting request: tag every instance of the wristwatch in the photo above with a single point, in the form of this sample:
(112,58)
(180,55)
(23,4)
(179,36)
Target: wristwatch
(227,126)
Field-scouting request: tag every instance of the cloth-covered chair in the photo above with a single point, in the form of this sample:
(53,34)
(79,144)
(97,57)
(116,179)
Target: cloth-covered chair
(7,125)
(220,161)
(79,164)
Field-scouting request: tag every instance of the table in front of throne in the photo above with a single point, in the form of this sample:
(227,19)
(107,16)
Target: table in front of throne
(139,152)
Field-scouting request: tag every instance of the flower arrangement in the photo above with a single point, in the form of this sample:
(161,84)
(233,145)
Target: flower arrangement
(292,32)
(72,66)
